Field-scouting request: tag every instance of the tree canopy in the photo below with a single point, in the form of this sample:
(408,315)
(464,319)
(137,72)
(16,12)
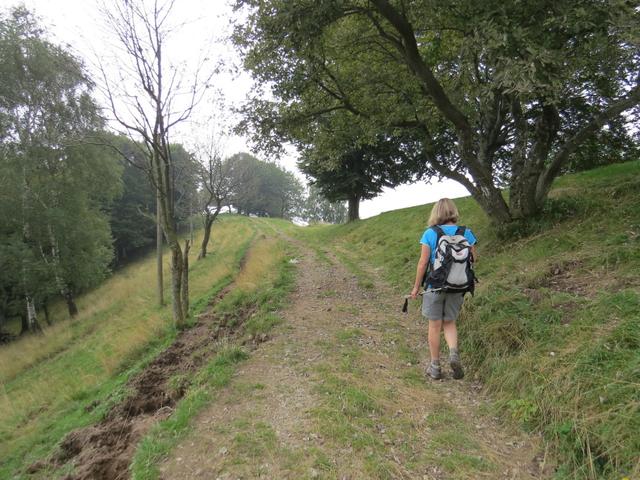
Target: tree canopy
(55,235)
(498,93)
(265,189)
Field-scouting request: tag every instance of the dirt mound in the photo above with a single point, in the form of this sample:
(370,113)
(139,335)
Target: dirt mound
(104,451)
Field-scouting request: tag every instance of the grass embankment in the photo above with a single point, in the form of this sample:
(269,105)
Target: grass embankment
(554,329)
(47,381)
(258,293)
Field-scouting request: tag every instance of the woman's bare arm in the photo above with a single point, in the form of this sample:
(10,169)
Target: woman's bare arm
(425,252)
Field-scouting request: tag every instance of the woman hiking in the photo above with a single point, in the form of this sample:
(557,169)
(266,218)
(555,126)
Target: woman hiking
(440,304)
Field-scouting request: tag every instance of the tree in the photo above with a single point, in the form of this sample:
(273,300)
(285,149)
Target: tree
(354,172)
(318,209)
(503,93)
(132,214)
(218,181)
(145,102)
(55,224)
(265,189)
(186,183)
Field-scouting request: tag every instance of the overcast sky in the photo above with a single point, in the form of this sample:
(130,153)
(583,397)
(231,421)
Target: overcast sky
(78,24)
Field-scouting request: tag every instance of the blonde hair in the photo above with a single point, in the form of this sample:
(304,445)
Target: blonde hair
(444,211)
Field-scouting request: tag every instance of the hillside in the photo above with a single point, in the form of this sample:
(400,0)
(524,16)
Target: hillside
(73,374)
(320,376)
(554,329)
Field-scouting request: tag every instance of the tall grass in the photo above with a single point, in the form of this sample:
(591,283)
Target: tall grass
(554,328)
(46,379)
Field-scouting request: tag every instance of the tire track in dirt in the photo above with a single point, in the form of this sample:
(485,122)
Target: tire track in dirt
(268,422)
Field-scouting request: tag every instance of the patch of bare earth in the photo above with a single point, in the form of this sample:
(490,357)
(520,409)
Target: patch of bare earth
(275,419)
(105,450)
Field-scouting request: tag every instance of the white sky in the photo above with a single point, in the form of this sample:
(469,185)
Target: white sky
(78,24)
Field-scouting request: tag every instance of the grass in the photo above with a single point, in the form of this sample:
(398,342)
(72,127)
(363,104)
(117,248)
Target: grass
(48,381)
(554,330)
(260,290)
(362,416)
(164,435)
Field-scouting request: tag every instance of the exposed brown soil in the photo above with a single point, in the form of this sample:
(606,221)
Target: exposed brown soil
(104,451)
(562,277)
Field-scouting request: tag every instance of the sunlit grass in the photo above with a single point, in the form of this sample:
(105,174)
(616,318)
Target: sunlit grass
(260,287)
(42,375)
(259,267)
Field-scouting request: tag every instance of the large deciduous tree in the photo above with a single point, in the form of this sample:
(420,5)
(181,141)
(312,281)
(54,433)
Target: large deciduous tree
(503,93)
(218,180)
(351,171)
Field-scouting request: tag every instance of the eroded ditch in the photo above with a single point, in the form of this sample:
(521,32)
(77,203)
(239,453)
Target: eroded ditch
(104,451)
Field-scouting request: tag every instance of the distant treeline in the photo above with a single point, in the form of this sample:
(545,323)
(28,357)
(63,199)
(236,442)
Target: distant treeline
(74,202)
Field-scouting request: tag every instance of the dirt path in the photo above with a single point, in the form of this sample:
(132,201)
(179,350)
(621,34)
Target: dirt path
(339,393)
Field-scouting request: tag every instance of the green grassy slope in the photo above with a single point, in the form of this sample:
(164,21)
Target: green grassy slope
(46,382)
(554,329)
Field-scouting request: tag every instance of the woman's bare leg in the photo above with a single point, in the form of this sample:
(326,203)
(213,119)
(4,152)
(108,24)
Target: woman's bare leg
(450,333)
(434,339)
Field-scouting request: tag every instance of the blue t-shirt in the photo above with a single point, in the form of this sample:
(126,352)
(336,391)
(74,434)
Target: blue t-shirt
(429,237)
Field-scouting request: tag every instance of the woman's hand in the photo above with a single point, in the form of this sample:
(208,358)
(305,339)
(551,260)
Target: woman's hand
(414,293)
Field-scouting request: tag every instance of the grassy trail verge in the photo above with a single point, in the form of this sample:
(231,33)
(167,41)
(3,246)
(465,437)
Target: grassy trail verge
(250,309)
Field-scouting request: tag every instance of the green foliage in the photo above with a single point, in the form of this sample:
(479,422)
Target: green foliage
(354,171)
(317,209)
(553,328)
(491,94)
(132,213)
(264,189)
(56,183)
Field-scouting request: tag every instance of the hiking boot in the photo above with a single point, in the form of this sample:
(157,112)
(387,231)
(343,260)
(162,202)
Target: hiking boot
(433,371)
(456,366)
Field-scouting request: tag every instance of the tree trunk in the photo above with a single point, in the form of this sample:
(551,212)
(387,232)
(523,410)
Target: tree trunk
(32,317)
(71,303)
(160,279)
(45,309)
(354,208)
(185,280)
(208,223)
(177,266)
(492,202)
(24,324)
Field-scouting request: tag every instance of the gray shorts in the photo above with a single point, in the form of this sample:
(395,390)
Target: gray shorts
(441,306)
